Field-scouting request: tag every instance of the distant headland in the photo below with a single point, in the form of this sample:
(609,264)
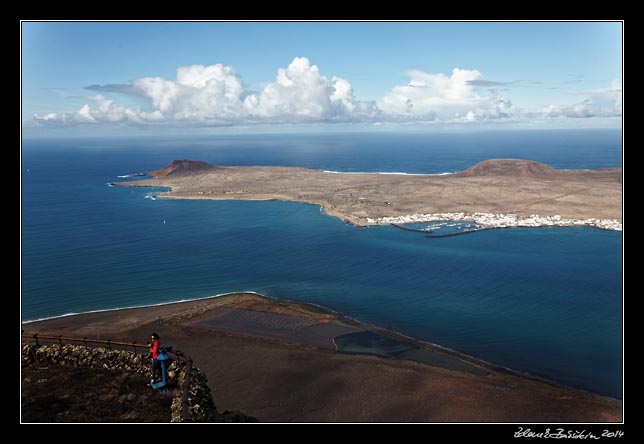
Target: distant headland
(492,193)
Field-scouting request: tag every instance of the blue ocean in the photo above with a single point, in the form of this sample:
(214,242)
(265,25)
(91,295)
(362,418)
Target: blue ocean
(544,301)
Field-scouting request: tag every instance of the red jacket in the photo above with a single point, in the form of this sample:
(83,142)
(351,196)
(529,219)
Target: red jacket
(154,349)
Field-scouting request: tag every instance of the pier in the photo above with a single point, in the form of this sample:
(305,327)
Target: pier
(429,235)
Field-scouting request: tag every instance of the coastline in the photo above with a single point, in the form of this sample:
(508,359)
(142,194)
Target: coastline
(105,310)
(344,318)
(483,220)
(177,320)
(491,220)
(494,193)
(391,173)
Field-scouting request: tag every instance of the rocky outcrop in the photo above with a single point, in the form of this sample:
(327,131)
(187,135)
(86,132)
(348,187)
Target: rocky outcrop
(200,404)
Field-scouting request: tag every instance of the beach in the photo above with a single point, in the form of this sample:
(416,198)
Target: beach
(279,361)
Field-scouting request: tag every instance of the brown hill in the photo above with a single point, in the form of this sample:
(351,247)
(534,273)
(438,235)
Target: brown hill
(183,168)
(510,168)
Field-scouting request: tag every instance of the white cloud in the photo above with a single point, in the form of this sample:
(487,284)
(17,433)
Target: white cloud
(606,102)
(446,98)
(104,111)
(300,92)
(216,95)
(49,117)
(199,93)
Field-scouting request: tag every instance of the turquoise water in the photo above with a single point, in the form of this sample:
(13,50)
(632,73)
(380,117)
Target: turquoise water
(544,301)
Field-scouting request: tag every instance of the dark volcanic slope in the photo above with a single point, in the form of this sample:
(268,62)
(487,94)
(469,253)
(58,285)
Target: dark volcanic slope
(183,168)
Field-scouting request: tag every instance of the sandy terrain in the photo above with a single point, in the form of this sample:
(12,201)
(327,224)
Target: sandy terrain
(256,366)
(504,186)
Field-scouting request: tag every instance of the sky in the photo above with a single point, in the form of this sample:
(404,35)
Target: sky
(101,78)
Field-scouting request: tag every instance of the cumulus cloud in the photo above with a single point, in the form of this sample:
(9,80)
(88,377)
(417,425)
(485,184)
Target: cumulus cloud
(198,93)
(606,102)
(103,111)
(216,95)
(446,98)
(49,117)
(299,91)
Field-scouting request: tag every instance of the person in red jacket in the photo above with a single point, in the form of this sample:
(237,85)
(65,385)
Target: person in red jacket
(154,354)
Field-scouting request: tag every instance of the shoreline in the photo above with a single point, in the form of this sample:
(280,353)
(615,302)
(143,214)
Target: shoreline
(496,193)
(161,304)
(390,173)
(508,192)
(256,355)
(495,220)
(484,220)
(345,318)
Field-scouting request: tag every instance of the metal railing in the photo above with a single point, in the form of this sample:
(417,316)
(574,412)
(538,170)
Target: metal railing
(185,411)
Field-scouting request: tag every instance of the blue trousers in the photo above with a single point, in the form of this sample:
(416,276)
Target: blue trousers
(156,365)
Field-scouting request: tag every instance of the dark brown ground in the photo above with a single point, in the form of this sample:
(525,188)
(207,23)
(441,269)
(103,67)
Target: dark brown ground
(281,380)
(52,393)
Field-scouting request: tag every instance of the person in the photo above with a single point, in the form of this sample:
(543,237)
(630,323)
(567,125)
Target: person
(154,344)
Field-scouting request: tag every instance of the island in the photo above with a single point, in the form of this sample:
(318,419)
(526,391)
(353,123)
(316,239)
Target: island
(494,193)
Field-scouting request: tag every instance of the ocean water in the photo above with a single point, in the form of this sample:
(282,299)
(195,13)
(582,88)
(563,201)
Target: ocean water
(544,301)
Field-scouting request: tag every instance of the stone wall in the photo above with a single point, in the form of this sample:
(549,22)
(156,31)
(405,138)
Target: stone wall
(200,403)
